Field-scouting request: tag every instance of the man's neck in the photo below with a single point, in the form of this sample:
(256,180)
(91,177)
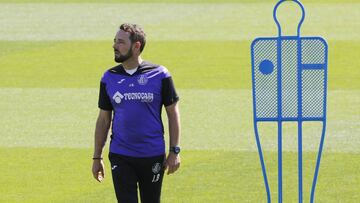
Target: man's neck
(132,64)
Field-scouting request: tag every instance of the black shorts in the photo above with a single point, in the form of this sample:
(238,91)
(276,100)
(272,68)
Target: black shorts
(130,172)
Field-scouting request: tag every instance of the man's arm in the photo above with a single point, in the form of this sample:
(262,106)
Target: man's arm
(173,160)
(101,131)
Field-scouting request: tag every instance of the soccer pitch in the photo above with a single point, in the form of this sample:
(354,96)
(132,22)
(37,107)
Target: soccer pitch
(53,54)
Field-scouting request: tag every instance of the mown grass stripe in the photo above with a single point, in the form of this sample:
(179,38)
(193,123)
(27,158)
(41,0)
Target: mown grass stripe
(64,175)
(166,1)
(211,120)
(164,22)
(199,65)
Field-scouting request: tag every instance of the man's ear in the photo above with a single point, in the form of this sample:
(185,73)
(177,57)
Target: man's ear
(137,45)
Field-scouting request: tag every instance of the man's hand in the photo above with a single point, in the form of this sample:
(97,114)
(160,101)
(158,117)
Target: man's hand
(98,170)
(172,162)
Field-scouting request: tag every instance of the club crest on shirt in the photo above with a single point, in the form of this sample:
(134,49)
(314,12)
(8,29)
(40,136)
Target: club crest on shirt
(142,80)
(156,168)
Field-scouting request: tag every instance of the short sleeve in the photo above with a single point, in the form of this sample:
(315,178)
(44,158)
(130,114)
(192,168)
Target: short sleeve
(168,92)
(104,99)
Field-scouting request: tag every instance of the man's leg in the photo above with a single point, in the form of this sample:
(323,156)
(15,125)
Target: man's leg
(151,172)
(124,178)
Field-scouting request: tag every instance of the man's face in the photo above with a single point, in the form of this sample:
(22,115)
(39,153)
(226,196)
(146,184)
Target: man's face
(122,46)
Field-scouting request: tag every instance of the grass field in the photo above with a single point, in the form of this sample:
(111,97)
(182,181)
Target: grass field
(53,53)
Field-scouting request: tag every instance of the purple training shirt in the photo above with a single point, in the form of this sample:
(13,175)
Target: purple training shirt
(136,101)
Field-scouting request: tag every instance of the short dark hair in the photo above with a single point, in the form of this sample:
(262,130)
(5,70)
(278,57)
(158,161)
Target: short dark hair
(137,33)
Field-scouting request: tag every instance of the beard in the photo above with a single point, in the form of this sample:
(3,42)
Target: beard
(121,58)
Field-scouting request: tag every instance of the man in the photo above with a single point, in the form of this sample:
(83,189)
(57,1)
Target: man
(131,98)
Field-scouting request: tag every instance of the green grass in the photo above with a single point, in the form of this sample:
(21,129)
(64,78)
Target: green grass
(53,55)
(64,175)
